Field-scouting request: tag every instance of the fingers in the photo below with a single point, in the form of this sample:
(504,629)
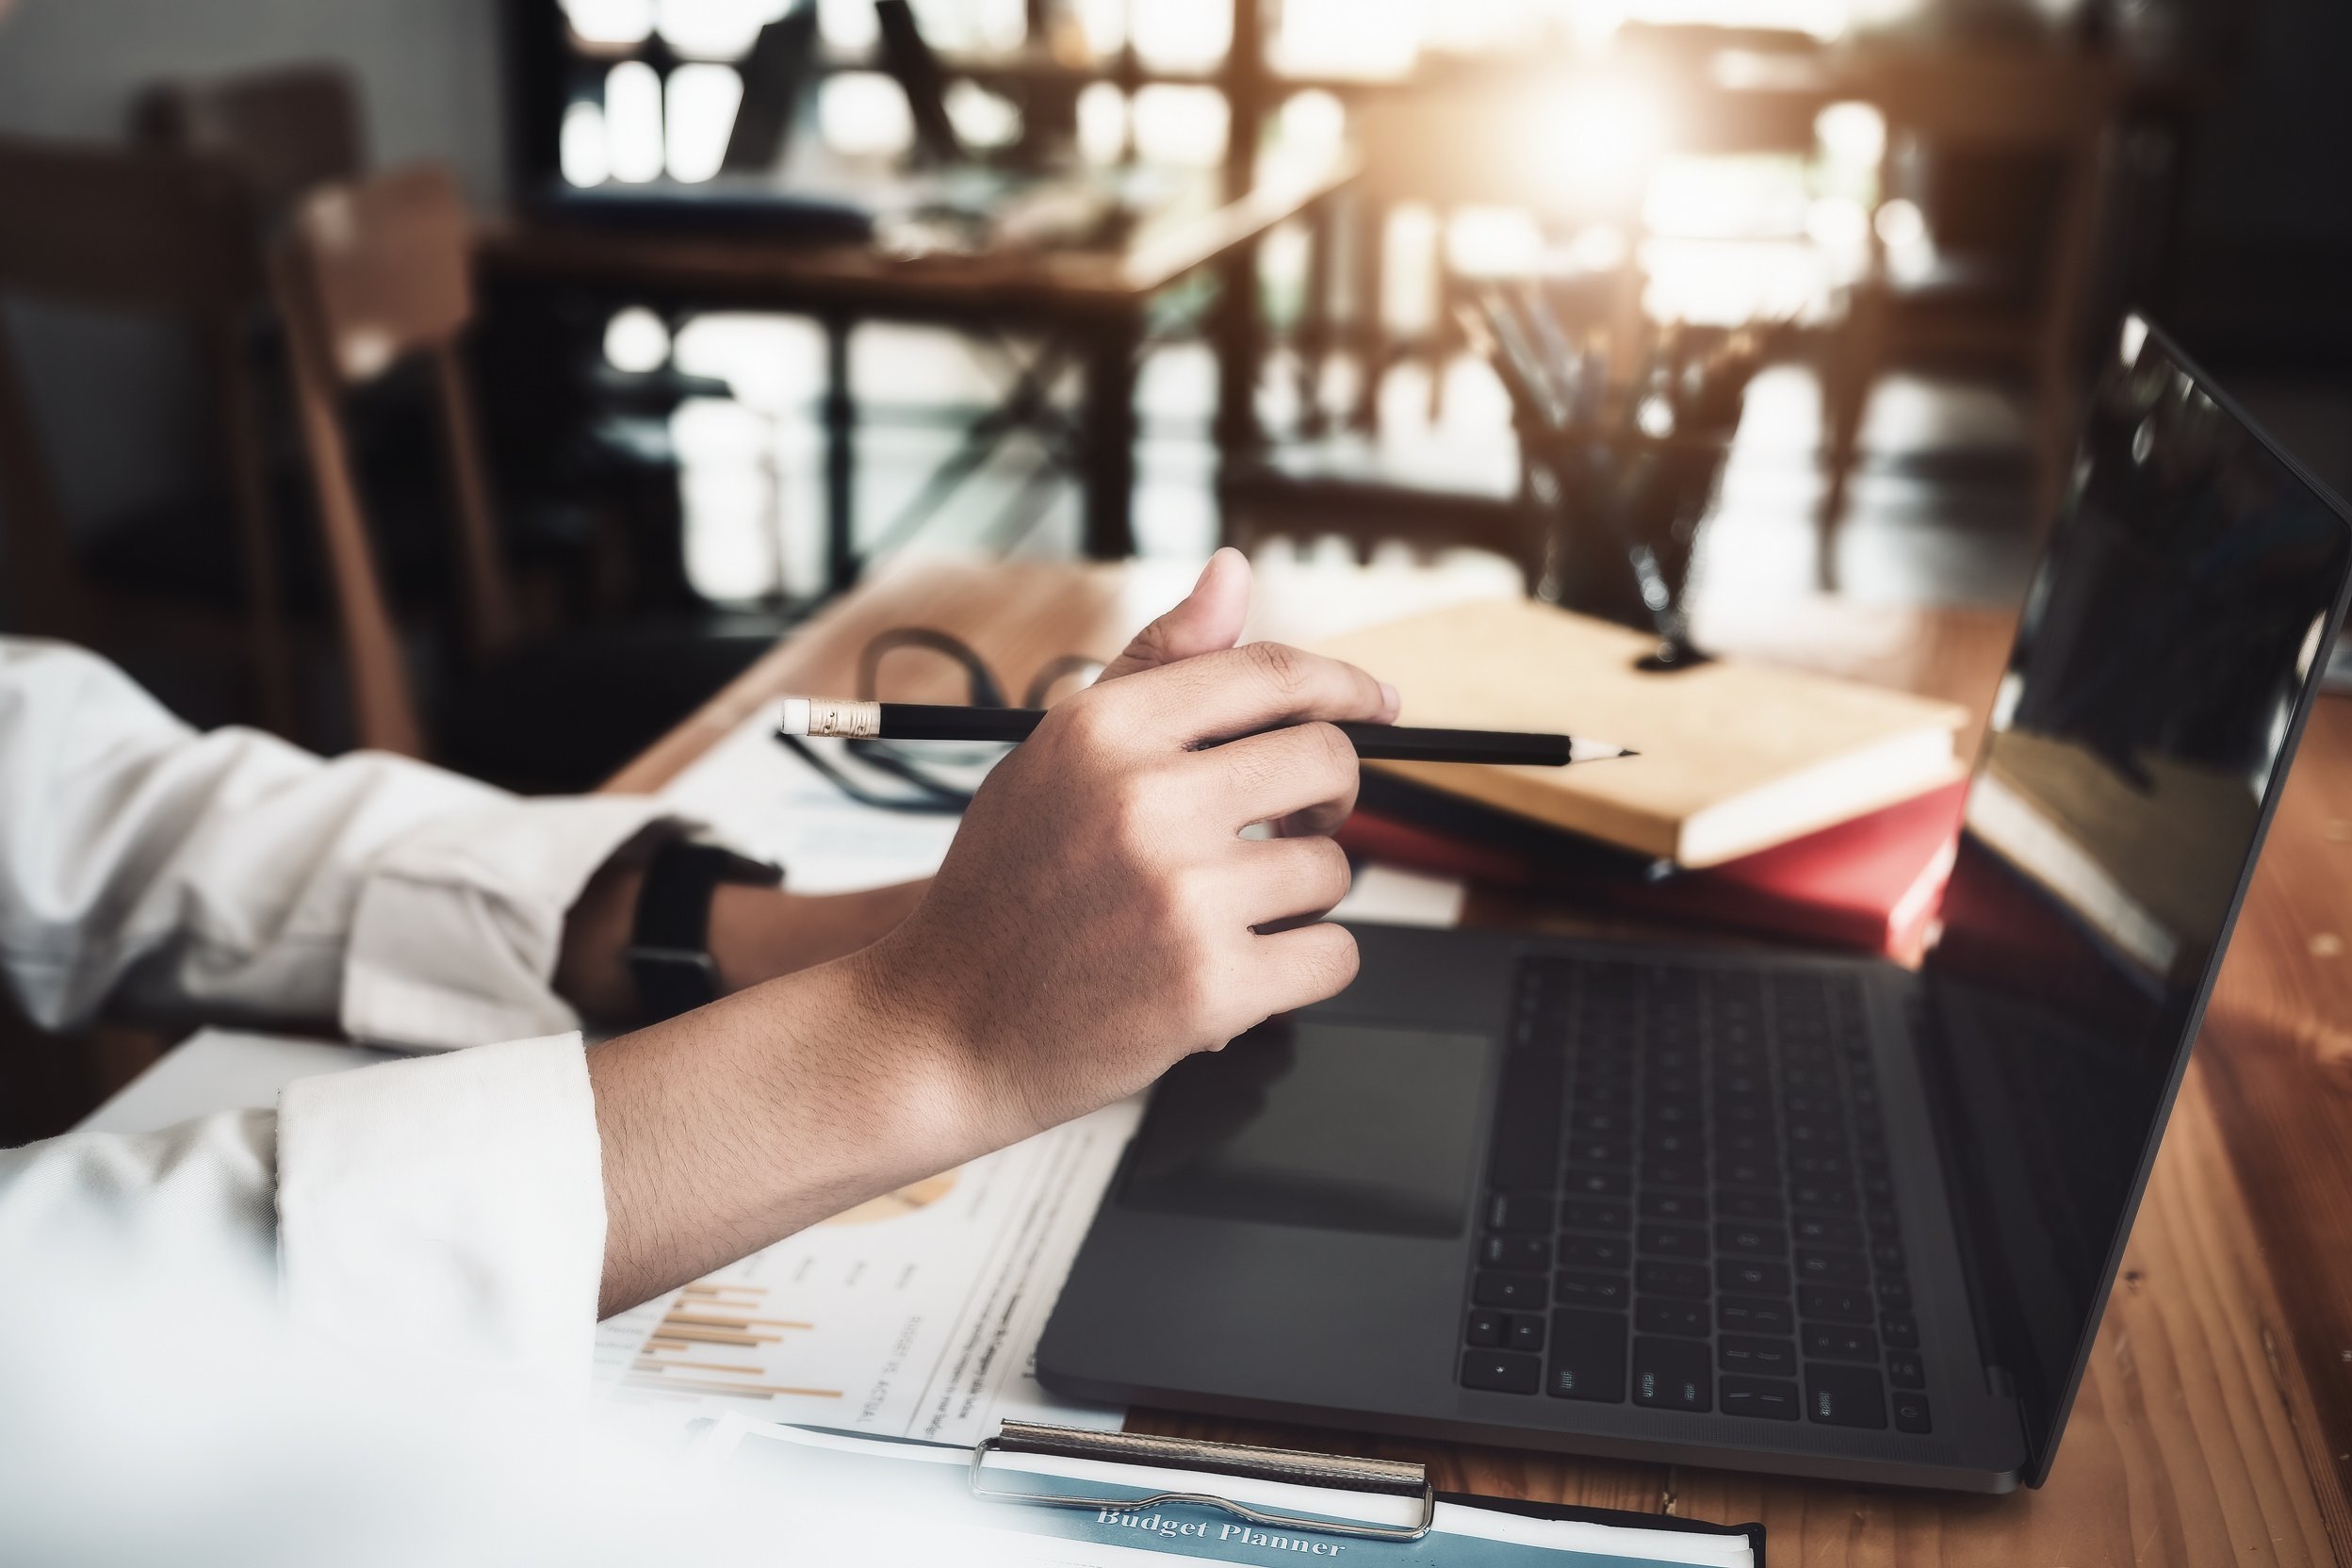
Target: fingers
(1312,963)
(1281,879)
(1303,771)
(1216,695)
(1208,619)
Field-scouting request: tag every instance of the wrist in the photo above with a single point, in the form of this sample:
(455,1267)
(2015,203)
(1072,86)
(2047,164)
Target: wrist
(945,1095)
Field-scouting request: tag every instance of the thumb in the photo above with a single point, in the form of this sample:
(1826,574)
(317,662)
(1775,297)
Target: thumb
(1206,621)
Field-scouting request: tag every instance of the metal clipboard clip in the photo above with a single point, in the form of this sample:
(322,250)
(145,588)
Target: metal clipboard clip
(1381,1477)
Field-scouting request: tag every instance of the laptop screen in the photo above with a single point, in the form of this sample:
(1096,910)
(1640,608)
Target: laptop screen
(2179,617)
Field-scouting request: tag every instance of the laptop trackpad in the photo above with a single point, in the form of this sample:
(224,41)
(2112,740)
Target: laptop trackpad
(1318,1122)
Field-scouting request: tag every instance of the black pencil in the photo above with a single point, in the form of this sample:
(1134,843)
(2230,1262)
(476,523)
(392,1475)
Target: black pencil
(1383,742)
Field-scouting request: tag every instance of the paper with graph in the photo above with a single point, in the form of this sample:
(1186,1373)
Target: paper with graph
(916,1314)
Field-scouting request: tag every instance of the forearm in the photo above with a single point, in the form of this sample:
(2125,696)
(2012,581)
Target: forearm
(778,1107)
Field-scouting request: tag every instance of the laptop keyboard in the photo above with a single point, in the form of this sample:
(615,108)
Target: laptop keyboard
(1689,1206)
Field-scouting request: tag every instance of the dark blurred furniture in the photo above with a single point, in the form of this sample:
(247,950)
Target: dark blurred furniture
(282,131)
(155,234)
(2014,307)
(1091,305)
(374,274)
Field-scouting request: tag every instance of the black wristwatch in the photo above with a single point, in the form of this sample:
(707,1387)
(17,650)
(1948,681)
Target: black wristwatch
(669,943)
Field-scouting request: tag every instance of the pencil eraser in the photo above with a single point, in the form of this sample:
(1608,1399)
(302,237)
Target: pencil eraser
(795,716)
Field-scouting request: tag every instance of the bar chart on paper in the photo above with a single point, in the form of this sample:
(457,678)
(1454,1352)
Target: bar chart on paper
(914,1315)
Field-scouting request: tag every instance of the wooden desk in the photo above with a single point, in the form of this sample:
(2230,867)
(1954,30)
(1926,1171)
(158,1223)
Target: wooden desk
(2219,1404)
(1090,303)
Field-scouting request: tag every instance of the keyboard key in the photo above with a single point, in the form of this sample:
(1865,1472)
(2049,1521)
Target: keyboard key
(1580,1252)
(1486,1329)
(1833,1304)
(1672,1146)
(1832,1267)
(1522,1213)
(1752,1277)
(1510,1292)
(1904,1369)
(1672,1374)
(1911,1414)
(1763,1241)
(1763,1207)
(1605,1121)
(1820,1230)
(1598,1151)
(1591,1290)
(1767,1397)
(1674,1173)
(1684,1206)
(1745,1353)
(1671,1241)
(1654,1276)
(1598,1184)
(1527,1331)
(1902,1329)
(1588,1357)
(1501,1371)
(1844,1395)
(1526,1253)
(1821,1195)
(1527,1121)
(1594,1217)
(1886,1256)
(1836,1342)
(1658,1314)
(1746,1170)
(1754,1315)
(1894,1295)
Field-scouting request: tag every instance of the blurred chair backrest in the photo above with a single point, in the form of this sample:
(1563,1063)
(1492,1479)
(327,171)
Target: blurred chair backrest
(370,274)
(132,230)
(285,131)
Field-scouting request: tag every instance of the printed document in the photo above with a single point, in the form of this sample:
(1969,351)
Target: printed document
(842,1500)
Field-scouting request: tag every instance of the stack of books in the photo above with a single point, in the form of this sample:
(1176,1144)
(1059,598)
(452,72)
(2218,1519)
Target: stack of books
(1763,799)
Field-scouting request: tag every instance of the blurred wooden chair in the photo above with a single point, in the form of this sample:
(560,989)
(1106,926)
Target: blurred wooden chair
(155,234)
(2020,314)
(284,131)
(376,273)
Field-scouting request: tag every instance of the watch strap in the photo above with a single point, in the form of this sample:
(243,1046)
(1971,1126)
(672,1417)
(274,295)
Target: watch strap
(669,946)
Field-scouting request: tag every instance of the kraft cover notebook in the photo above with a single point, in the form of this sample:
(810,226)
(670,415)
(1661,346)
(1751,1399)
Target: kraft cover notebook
(1735,758)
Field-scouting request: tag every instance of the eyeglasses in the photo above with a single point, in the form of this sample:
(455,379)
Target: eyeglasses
(937,778)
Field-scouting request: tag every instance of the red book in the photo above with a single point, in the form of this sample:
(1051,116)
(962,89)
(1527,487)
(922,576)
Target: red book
(1871,883)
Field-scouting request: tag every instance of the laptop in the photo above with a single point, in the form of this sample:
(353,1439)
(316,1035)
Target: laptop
(1815,1216)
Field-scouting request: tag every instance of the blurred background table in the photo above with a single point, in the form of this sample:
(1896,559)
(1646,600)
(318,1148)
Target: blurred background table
(2211,1421)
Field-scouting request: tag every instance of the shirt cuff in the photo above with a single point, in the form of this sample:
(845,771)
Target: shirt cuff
(457,929)
(451,1208)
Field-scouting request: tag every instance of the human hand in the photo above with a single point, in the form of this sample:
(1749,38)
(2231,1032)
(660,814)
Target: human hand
(1100,916)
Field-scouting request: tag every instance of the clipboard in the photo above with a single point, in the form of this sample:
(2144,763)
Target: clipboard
(1331,1472)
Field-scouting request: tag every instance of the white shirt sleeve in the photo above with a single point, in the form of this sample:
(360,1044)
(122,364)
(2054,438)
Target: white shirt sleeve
(444,1210)
(233,873)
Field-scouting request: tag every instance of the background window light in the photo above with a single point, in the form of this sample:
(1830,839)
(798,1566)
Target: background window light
(1177,34)
(848,24)
(973,26)
(700,103)
(611,23)
(714,29)
(982,118)
(583,149)
(1102,123)
(864,113)
(1181,126)
(632,120)
(1104,25)
(1368,39)
(635,340)
(701,111)
(1309,131)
